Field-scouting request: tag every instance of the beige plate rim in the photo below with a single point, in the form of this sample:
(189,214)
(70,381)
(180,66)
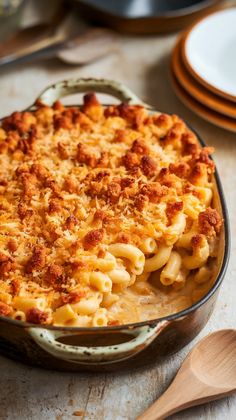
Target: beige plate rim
(201,110)
(195,89)
(193,72)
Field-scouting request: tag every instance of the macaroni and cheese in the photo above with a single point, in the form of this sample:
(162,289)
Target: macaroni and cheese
(106,215)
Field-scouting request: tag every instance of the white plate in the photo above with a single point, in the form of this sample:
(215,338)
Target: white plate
(210,52)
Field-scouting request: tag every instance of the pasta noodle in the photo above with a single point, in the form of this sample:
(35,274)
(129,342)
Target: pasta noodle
(199,256)
(101,281)
(148,245)
(159,259)
(100,318)
(130,252)
(171,270)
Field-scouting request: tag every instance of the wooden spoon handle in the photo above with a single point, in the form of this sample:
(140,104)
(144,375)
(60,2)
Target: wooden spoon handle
(170,402)
(186,390)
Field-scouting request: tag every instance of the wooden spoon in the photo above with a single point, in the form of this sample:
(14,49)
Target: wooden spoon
(208,373)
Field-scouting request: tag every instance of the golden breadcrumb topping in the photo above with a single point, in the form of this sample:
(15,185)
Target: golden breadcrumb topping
(73,181)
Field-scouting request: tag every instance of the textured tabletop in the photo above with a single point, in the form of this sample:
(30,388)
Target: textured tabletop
(27,393)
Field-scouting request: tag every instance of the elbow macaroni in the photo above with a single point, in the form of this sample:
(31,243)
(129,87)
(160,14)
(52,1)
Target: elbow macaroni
(63,315)
(159,259)
(87,306)
(174,231)
(171,270)
(198,257)
(100,318)
(23,304)
(148,245)
(131,253)
(101,281)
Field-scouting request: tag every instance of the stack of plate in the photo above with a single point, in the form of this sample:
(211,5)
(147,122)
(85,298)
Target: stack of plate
(203,68)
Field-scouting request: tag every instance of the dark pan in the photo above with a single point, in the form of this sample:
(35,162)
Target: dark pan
(145,16)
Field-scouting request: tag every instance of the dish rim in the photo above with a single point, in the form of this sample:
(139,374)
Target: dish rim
(193,71)
(172,317)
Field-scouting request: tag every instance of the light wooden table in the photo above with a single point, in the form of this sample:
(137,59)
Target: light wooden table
(27,393)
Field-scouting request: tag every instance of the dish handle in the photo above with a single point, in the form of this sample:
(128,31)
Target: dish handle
(142,337)
(68,87)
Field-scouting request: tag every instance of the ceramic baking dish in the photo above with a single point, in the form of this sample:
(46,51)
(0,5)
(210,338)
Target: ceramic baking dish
(113,347)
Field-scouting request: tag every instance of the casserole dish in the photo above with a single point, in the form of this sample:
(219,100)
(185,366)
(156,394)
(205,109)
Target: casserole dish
(112,347)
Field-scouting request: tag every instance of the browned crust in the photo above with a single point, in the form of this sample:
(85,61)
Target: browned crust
(210,222)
